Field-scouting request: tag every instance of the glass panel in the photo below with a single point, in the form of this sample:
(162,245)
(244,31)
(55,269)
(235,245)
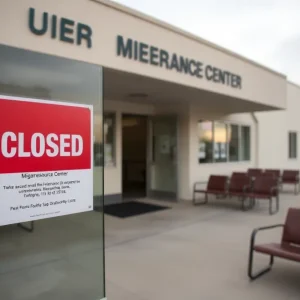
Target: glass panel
(245,143)
(109,138)
(104,153)
(295,145)
(164,157)
(205,136)
(292,145)
(98,142)
(220,142)
(63,257)
(233,138)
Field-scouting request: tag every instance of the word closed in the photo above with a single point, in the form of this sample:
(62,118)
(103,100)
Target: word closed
(44,136)
(38,145)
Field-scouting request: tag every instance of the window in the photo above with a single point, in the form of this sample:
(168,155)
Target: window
(233,140)
(245,143)
(205,136)
(221,142)
(292,145)
(109,138)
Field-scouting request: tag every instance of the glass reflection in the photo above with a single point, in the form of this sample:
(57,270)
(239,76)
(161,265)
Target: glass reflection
(205,136)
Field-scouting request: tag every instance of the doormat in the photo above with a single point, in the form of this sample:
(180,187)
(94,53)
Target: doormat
(131,209)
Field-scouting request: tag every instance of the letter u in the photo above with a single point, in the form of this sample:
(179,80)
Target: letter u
(33,29)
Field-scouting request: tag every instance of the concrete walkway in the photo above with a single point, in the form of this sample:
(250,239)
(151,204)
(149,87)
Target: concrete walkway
(195,253)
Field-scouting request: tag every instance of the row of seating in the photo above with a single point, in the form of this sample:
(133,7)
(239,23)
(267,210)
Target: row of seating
(258,184)
(288,177)
(242,186)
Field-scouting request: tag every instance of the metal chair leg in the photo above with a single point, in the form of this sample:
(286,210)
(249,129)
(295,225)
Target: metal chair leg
(243,203)
(250,263)
(270,206)
(297,188)
(271,211)
(244,207)
(200,203)
(253,202)
(253,276)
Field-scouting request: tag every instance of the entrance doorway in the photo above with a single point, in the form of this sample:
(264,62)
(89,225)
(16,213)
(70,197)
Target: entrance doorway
(163,168)
(134,158)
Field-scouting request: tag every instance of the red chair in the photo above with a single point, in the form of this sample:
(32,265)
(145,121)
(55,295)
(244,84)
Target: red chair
(273,175)
(239,174)
(239,186)
(291,177)
(289,248)
(275,172)
(217,185)
(254,172)
(265,188)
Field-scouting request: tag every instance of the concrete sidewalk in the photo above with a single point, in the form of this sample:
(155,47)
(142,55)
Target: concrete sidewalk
(196,253)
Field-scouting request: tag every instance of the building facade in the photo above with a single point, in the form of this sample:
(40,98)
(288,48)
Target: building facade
(176,108)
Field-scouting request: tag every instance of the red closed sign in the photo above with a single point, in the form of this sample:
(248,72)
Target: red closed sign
(39,136)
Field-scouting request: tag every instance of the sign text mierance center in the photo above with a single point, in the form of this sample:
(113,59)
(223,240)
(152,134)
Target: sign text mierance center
(152,55)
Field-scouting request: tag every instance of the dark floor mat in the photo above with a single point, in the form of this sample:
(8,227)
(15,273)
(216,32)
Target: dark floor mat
(132,208)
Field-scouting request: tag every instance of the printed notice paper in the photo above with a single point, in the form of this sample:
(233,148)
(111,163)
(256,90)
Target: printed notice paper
(46,159)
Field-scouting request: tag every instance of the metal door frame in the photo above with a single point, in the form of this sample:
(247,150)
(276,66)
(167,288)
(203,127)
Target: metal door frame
(150,155)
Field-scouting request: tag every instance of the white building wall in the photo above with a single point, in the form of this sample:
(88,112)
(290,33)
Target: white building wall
(108,20)
(273,133)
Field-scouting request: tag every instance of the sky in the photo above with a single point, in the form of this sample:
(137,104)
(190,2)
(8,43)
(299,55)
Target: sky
(266,31)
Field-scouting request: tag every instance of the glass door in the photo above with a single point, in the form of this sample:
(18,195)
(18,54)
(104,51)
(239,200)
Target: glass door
(163,158)
(51,216)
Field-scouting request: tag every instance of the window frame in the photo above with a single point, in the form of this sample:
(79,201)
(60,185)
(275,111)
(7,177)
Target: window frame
(239,135)
(250,142)
(212,138)
(227,125)
(292,152)
(114,146)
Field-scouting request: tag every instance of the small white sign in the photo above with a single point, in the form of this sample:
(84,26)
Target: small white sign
(165,144)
